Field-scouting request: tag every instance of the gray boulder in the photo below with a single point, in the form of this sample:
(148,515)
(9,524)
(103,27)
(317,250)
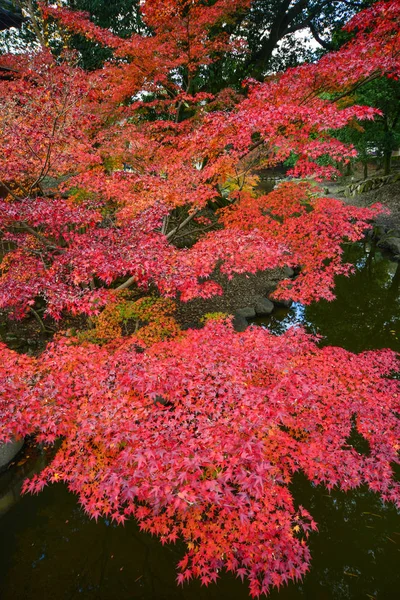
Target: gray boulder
(9,450)
(263,307)
(239,323)
(288,272)
(284,303)
(390,243)
(248,312)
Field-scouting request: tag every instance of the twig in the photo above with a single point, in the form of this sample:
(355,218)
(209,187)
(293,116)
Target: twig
(127,283)
(184,222)
(38,319)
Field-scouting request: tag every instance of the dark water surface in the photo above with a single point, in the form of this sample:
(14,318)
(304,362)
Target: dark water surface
(50,549)
(366,312)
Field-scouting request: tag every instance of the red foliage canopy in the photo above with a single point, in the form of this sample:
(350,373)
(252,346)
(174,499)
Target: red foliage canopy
(75,240)
(201,443)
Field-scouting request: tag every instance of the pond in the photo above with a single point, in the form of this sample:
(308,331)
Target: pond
(50,548)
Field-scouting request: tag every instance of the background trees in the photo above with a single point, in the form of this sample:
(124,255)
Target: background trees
(10,16)
(380,138)
(263,24)
(272,24)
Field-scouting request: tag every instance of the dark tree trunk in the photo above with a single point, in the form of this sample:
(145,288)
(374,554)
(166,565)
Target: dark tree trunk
(387,159)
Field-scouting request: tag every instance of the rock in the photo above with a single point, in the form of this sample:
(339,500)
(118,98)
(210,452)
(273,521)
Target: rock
(380,231)
(284,303)
(263,307)
(248,312)
(288,272)
(11,338)
(9,450)
(239,323)
(391,243)
(367,185)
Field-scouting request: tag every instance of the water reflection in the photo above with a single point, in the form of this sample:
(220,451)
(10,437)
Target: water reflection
(49,548)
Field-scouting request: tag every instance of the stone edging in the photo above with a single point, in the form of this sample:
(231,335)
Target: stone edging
(8,451)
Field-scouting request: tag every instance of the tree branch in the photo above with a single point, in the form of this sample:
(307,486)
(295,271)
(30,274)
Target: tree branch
(127,284)
(184,222)
(318,38)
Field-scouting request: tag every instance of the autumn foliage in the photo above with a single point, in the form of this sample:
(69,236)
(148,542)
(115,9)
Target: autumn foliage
(79,221)
(196,434)
(201,443)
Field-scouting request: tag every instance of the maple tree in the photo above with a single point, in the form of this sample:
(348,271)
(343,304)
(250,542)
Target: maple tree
(94,168)
(103,223)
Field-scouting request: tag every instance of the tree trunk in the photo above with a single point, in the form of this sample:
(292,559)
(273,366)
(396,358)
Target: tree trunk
(387,157)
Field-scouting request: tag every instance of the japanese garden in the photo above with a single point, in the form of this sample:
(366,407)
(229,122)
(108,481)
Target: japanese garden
(197,203)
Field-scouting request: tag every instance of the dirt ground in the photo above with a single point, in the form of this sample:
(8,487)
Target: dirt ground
(240,292)
(387,195)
